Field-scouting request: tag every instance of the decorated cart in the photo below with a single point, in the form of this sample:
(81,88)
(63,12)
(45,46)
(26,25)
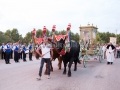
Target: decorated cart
(88,44)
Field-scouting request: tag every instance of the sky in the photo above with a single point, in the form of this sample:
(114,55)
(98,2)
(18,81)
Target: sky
(28,14)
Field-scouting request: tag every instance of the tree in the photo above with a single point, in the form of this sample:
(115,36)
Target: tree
(4,38)
(15,35)
(62,32)
(76,37)
(39,33)
(8,33)
(27,38)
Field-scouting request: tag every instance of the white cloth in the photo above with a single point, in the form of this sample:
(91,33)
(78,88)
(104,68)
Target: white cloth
(104,49)
(110,54)
(46,50)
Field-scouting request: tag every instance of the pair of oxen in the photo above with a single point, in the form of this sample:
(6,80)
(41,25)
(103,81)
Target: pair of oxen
(67,57)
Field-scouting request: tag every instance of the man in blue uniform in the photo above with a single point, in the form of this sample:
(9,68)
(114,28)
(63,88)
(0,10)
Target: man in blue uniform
(16,54)
(24,52)
(7,53)
(30,51)
(2,51)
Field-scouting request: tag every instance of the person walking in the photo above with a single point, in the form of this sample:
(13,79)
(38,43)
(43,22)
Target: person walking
(46,56)
(110,53)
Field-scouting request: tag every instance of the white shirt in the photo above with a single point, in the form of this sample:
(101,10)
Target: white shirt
(6,46)
(46,50)
(3,48)
(117,48)
(14,47)
(104,48)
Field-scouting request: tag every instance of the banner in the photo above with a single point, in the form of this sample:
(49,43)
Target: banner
(113,40)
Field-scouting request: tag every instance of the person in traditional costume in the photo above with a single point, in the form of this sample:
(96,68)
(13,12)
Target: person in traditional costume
(110,53)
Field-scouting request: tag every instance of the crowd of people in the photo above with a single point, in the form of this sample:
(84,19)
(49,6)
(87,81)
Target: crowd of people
(15,51)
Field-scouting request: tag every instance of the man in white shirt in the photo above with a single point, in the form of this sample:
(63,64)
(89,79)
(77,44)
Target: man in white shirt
(46,48)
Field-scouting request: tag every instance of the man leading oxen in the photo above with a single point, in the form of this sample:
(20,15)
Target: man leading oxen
(38,51)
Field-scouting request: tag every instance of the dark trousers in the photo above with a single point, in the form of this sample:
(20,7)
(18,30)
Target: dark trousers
(7,57)
(20,55)
(2,55)
(118,54)
(16,56)
(47,60)
(24,56)
(11,54)
(30,55)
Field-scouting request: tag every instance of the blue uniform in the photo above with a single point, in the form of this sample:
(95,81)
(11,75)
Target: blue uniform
(16,54)
(30,53)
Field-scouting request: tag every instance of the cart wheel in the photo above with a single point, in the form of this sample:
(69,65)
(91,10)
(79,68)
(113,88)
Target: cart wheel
(84,63)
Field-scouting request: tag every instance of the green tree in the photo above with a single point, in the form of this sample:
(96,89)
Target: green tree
(4,38)
(63,32)
(27,38)
(39,33)
(15,35)
(76,37)
(8,33)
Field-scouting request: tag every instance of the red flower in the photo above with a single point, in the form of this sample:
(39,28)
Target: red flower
(53,28)
(69,26)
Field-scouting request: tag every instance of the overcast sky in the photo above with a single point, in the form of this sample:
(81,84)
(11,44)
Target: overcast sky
(28,14)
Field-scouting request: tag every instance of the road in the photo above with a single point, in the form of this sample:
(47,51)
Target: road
(97,76)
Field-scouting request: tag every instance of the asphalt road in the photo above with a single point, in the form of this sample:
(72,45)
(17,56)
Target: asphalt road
(97,76)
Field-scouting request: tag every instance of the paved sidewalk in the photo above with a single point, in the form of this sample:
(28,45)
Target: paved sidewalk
(22,76)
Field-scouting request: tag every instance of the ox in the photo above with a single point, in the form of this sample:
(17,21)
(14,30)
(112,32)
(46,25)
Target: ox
(71,56)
